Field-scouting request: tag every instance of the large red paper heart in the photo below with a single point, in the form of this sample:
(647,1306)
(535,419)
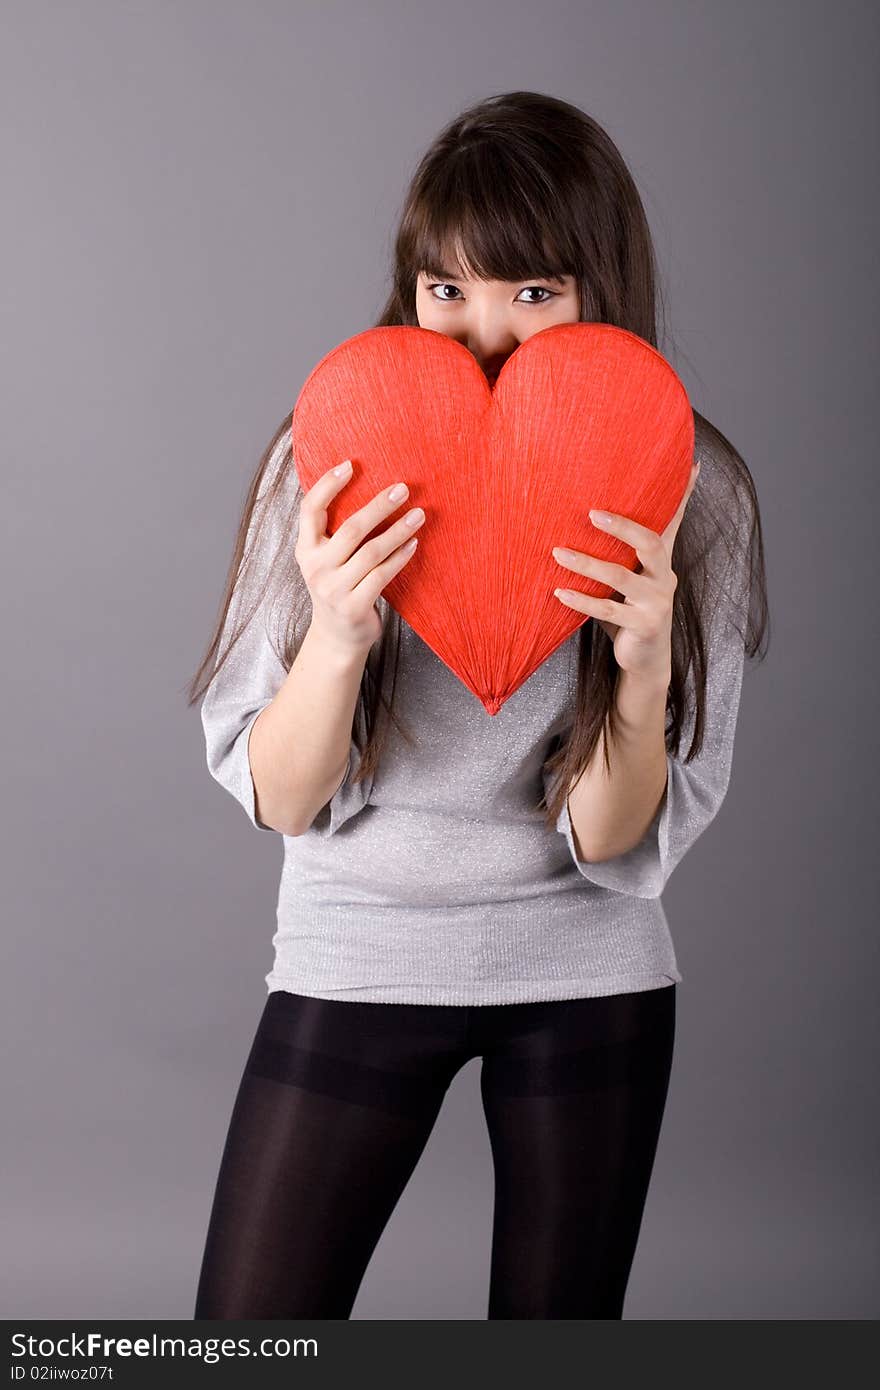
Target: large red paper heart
(582,415)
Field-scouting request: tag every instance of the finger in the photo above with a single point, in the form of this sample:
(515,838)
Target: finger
(313,508)
(607,609)
(349,547)
(619,577)
(647,544)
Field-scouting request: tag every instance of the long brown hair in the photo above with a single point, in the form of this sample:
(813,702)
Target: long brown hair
(522,184)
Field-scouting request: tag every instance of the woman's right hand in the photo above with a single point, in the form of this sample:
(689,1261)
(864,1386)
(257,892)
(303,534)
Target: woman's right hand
(344,576)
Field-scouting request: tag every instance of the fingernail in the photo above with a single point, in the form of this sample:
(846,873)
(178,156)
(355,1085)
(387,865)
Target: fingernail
(342,468)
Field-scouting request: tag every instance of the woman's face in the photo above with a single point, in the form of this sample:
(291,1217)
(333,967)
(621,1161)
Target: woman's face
(492,317)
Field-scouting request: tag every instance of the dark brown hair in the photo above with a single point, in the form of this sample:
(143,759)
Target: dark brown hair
(519,185)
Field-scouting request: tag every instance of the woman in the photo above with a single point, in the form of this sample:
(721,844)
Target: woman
(457,886)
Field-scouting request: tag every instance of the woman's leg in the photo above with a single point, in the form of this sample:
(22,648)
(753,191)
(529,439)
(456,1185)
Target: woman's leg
(333,1111)
(574,1093)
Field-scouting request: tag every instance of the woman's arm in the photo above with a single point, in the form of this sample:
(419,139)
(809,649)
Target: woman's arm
(688,797)
(611,812)
(298,760)
(299,745)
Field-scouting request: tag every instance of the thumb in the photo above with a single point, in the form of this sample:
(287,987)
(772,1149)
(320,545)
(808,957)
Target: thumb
(671,530)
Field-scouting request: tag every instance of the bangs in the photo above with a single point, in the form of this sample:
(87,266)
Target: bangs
(478,218)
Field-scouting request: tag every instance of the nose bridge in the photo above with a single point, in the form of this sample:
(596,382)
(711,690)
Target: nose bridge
(490,332)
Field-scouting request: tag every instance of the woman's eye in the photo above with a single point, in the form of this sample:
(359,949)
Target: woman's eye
(432,288)
(541,290)
(441,285)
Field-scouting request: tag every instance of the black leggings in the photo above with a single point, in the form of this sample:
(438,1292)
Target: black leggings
(335,1106)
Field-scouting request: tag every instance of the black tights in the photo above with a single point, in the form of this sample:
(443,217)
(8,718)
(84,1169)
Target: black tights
(335,1107)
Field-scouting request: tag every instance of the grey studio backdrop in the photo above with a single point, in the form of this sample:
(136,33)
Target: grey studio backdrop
(199,201)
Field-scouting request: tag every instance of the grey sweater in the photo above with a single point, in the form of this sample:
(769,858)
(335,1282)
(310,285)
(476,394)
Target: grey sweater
(436,881)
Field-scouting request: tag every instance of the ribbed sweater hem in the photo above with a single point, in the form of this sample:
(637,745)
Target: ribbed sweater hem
(483,992)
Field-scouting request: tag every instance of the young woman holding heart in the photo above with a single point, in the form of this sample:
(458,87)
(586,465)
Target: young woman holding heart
(457,885)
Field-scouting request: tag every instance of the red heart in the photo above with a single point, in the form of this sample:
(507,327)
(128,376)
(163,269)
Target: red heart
(582,415)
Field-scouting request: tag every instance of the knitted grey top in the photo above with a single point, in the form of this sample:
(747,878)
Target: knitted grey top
(436,881)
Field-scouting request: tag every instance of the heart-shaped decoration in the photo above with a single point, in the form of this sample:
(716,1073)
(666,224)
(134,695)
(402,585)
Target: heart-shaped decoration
(582,415)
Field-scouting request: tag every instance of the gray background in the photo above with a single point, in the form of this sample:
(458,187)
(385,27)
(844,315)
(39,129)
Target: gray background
(198,203)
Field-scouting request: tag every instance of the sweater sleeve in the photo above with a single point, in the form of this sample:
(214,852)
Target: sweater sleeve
(247,682)
(695,790)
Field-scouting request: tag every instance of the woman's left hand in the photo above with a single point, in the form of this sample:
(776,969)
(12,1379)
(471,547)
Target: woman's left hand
(641,626)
